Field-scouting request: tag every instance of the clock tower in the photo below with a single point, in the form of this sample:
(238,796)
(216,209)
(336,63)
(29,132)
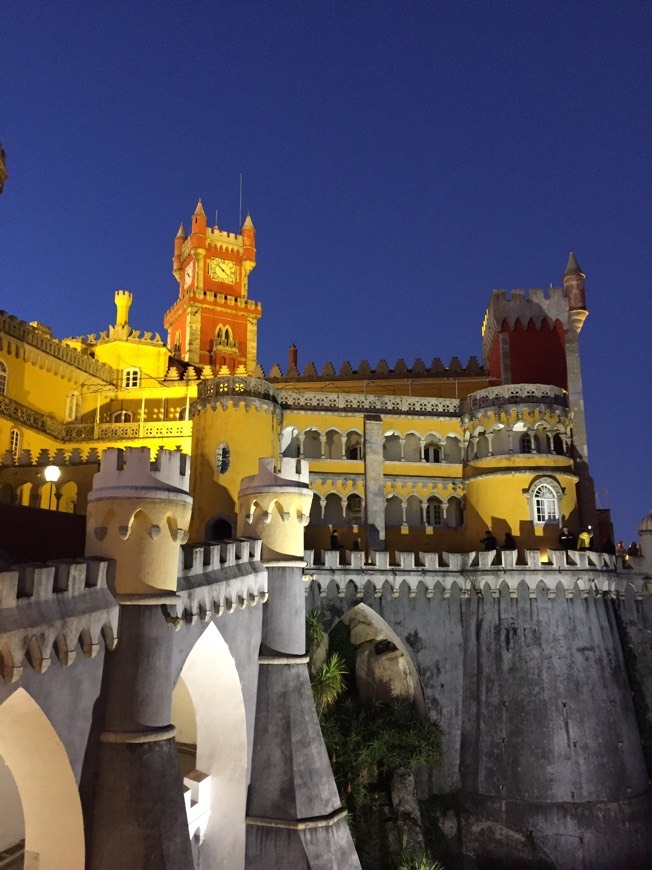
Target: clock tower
(213,322)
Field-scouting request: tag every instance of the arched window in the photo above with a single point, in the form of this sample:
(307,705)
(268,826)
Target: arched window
(527,444)
(219,335)
(131,378)
(353,446)
(73,407)
(434,513)
(431,452)
(183,414)
(15,440)
(228,335)
(122,416)
(354,507)
(3,378)
(545,504)
(176,349)
(222,458)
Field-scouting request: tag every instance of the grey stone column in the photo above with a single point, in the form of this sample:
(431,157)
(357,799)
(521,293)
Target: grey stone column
(585,486)
(374,482)
(294,816)
(139,819)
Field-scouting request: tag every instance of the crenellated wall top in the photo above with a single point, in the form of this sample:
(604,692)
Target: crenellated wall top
(41,339)
(381,371)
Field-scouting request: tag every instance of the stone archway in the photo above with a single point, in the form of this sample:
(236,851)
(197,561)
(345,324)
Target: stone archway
(41,771)
(212,682)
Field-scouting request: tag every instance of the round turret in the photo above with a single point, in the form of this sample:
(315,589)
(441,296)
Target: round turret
(138,514)
(274,507)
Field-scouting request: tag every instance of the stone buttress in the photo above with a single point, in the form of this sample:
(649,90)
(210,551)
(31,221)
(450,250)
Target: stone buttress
(138,515)
(294,815)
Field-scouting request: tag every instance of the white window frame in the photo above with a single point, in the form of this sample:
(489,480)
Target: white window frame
(120,417)
(434,514)
(3,378)
(544,510)
(73,407)
(131,378)
(15,442)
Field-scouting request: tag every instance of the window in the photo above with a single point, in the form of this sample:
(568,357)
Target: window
(122,417)
(219,335)
(545,504)
(73,407)
(14,442)
(526,444)
(3,378)
(353,446)
(353,507)
(434,513)
(222,458)
(131,379)
(431,452)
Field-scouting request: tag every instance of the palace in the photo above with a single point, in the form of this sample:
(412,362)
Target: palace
(171,511)
(424,456)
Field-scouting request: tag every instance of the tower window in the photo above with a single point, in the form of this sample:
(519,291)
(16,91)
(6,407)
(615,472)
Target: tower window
(131,379)
(14,442)
(3,378)
(526,444)
(222,458)
(545,504)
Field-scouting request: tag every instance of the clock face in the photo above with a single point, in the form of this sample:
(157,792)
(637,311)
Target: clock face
(187,274)
(222,270)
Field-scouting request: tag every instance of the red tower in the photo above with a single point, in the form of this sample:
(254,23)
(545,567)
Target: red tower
(213,322)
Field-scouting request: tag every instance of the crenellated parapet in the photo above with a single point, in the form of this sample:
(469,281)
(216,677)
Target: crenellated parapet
(236,391)
(138,514)
(35,344)
(217,579)
(54,608)
(380,371)
(559,573)
(514,396)
(536,306)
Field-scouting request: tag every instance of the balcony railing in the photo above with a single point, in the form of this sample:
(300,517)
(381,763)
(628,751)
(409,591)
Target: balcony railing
(514,394)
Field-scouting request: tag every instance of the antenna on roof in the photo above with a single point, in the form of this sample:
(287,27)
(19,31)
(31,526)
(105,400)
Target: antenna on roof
(215,217)
(240,223)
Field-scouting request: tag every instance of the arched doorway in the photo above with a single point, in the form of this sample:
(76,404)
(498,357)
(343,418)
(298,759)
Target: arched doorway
(209,688)
(218,528)
(41,771)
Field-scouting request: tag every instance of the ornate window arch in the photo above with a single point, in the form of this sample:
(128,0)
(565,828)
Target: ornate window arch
(122,417)
(15,441)
(434,512)
(544,500)
(3,378)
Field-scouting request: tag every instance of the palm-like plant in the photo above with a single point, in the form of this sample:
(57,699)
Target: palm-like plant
(328,682)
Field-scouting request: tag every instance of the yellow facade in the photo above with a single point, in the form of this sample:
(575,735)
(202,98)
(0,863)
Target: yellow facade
(432,457)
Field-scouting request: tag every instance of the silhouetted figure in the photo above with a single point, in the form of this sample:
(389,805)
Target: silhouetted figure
(633,549)
(490,543)
(335,541)
(509,542)
(567,539)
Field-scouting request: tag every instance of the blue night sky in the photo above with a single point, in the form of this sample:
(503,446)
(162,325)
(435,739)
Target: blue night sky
(400,160)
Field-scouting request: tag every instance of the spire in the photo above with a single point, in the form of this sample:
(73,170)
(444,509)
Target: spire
(572,267)
(249,224)
(182,233)
(199,210)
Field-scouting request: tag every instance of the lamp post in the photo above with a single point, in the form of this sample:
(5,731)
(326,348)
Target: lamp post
(52,473)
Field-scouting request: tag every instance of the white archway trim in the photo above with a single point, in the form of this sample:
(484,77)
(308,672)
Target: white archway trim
(39,763)
(212,679)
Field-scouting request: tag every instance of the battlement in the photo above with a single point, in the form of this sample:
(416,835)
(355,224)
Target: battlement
(558,572)
(381,371)
(122,332)
(41,339)
(129,472)
(209,296)
(215,579)
(57,606)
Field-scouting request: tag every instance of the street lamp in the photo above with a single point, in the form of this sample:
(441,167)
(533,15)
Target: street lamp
(52,473)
